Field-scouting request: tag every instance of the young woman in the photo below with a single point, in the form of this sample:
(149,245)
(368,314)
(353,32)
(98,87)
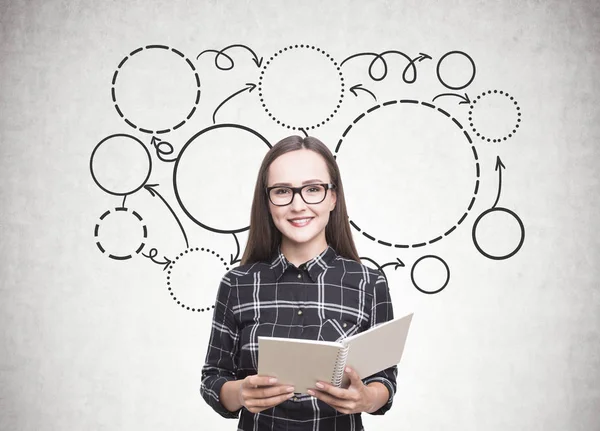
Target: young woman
(300,277)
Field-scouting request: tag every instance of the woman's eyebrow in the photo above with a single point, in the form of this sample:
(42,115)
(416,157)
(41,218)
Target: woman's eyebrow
(313,181)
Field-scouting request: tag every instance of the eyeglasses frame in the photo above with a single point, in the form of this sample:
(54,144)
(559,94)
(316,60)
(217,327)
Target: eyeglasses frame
(328,186)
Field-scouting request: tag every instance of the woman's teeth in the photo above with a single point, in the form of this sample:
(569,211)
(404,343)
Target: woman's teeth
(300,222)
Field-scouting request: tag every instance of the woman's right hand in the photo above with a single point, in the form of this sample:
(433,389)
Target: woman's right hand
(258,393)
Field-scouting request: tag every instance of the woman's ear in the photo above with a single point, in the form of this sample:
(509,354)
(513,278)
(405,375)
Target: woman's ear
(333,200)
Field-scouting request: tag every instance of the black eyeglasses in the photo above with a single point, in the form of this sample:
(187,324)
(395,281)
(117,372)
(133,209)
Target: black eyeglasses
(310,193)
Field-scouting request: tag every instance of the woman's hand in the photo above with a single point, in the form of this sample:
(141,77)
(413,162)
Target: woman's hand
(357,398)
(258,393)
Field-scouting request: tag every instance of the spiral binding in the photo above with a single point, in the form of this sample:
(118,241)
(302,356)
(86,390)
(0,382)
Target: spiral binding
(340,364)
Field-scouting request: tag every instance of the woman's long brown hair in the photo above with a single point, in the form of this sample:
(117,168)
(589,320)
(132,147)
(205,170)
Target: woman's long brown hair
(264,238)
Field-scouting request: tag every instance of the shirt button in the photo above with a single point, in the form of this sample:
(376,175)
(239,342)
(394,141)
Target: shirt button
(345,324)
(299,275)
(299,312)
(294,399)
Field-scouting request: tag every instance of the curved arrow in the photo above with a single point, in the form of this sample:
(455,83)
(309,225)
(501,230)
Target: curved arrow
(411,63)
(398,264)
(499,167)
(234,260)
(153,253)
(152,190)
(464,99)
(249,87)
(360,87)
(379,267)
(303,131)
(255,58)
(159,146)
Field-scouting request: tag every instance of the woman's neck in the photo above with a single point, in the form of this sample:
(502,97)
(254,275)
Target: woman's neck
(300,253)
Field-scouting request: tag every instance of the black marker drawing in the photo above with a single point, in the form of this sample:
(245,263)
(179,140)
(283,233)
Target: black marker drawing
(396,265)
(283,85)
(411,66)
(183,275)
(249,87)
(153,192)
(455,123)
(420,262)
(495,211)
(221,53)
(163,149)
(233,260)
(496,96)
(360,87)
(197,193)
(448,56)
(133,248)
(152,255)
(463,99)
(161,56)
(128,151)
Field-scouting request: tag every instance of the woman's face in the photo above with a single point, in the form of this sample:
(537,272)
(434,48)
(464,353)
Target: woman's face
(295,169)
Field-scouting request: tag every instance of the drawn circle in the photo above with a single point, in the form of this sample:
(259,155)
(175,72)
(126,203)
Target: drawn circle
(215,174)
(120,231)
(487,213)
(184,273)
(295,89)
(147,75)
(422,261)
(497,137)
(362,185)
(120,164)
(451,56)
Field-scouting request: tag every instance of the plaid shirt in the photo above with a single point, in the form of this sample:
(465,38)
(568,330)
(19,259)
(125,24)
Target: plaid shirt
(326,298)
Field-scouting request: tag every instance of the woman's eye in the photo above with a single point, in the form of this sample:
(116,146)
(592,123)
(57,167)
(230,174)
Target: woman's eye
(281,191)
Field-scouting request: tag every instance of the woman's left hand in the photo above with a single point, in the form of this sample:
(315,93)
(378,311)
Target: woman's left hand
(355,399)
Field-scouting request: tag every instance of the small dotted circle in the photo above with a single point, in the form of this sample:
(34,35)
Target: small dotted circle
(283,124)
(174,262)
(501,138)
(113,90)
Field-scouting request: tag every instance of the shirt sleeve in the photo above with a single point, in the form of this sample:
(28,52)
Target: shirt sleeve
(221,356)
(382,311)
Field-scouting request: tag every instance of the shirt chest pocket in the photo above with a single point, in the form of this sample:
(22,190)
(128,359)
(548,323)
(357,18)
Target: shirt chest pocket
(336,329)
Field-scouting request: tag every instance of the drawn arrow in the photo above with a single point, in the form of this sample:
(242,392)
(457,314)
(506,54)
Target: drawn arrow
(360,87)
(249,87)
(411,63)
(234,260)
(257,61)
(398,264)
(463,99)
(499,167)
(153,253)
(163,148)
(152,190)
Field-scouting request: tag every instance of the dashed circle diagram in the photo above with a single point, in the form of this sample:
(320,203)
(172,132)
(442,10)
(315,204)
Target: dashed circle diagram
(419,174)
(187,281)
(155,89)
(494,116)
(301,87)
(120,233)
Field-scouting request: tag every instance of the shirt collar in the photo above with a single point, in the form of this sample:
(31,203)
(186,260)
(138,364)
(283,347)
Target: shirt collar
(314,266)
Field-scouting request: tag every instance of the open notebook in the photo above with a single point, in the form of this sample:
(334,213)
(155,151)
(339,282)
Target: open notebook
(302,363)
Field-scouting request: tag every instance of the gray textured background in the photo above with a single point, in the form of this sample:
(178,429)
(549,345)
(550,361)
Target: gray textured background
(90,343)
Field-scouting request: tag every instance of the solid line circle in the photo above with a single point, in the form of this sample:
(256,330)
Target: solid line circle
(412,274)
(437,70)
(121,135)
(178,197)
(521,227)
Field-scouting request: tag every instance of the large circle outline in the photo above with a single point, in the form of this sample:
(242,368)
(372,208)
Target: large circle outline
(121,135)
(437,70)
(521,226)
(113,91)
(412,274)
(475,156)
(178,197)
(260,84)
